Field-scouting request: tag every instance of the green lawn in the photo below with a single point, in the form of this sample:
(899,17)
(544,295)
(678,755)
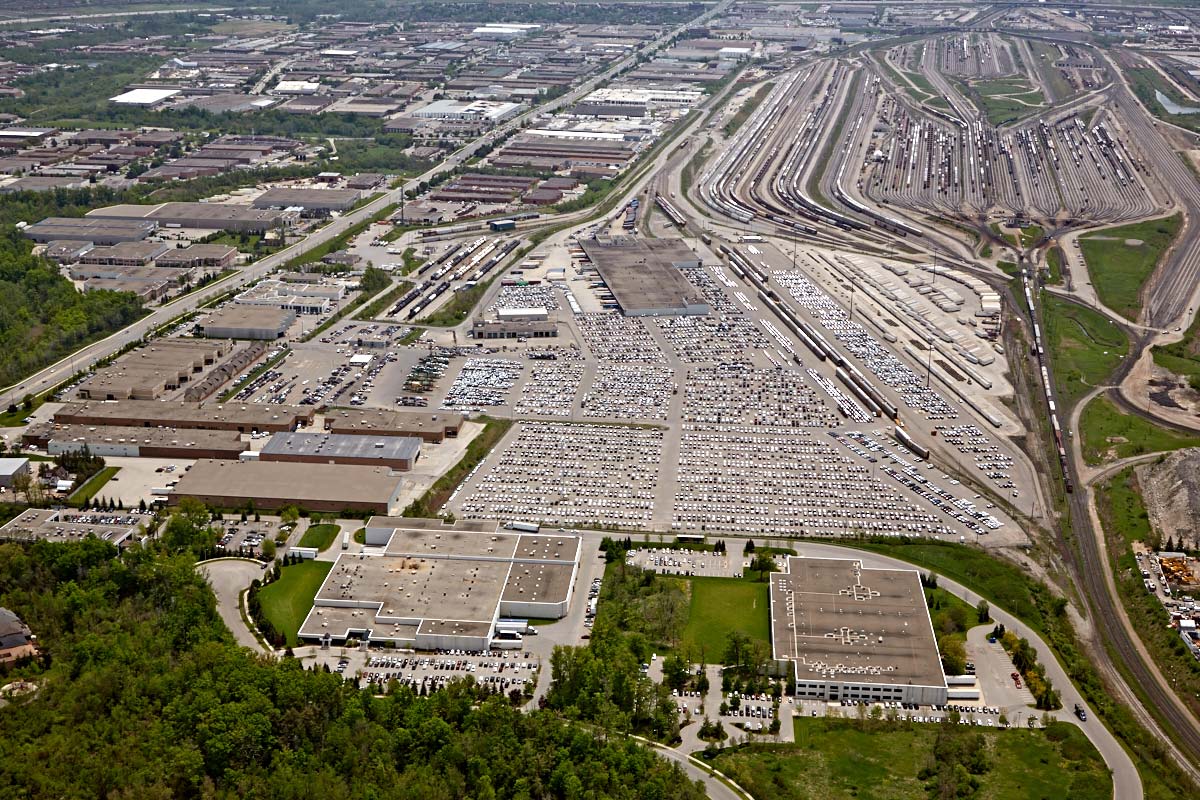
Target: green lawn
(93,485)
(720,606)
(287,601)
(1054,266)
(835,759)
(320,536)
(1084,347)
(1119,270)
(1110,433)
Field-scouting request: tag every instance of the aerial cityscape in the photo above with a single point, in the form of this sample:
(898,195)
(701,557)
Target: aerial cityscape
(621,399)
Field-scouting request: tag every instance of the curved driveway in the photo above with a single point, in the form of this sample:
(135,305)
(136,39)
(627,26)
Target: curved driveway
(229,577)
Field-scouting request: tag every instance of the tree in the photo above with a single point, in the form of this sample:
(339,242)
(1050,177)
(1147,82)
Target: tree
(954,655)
(289,515)
(268,549)
(189,528)
(749,546)
(763,564)
(983,612)
(675,672)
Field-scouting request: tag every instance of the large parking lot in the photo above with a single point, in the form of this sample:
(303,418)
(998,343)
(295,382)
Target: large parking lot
(566,474)
(503,670)
(679,561)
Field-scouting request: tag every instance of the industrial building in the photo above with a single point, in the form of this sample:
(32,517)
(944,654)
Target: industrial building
(436,586)
(513,329)
(489,111)
(117,441)
(149,372)
(852,633)
(211,256)
(10,468)
(643,275)
(243,418)
(432,427)
(315,202)
(644,97)
(397,452)
(68,525)
(240,321)
(202,216)
(302,298)
(271,485)
(83,229)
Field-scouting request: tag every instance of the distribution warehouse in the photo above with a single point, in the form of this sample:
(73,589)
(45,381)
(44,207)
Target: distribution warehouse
(438,586)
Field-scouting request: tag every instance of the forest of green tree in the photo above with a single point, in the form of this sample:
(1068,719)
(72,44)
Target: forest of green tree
(43,318)
(142,694)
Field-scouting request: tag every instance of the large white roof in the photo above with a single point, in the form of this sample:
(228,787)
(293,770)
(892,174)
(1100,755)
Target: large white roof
(143,97)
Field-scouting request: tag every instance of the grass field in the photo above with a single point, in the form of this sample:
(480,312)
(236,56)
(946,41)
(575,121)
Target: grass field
(1054,266)
(93,485)
(1085,347)
(720,606)
(287,601)
(320,536)
(834,759)
(1109,433)
(1119,270)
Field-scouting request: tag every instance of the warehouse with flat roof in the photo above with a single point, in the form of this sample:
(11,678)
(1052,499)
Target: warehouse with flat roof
(271,485)
(644,275)
(397,452)
(431,426)
(116,440)
(240,321)
(240,417)
(203,216)
(853,633)
(83,229)
(314,201)
(437,586)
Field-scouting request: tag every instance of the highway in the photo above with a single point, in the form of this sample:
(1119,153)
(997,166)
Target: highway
(67,367)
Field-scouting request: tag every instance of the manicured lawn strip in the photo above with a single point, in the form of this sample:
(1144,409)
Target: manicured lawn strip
(1119,270)
(1101,420)
(1084,347)
(287,601)
(720,606)
(840,759)
(429,503)
(93,485)
(320,536)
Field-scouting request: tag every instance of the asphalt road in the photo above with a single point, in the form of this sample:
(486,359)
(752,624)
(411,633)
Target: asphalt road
(228,578)
(81,359)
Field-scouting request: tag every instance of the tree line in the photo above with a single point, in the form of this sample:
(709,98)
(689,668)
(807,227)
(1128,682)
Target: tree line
(142,693)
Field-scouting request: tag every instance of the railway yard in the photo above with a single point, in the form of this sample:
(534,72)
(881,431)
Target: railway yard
(819,297)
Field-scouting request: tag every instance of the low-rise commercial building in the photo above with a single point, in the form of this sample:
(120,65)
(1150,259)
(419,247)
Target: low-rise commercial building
(315,202)
(117,441)
(853,633)
(271,485)
(305,447)
(11,469)
(240,417)
(432,427)
(240,321)
(201,216)
(83,229)
(437,586)
(16,640)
